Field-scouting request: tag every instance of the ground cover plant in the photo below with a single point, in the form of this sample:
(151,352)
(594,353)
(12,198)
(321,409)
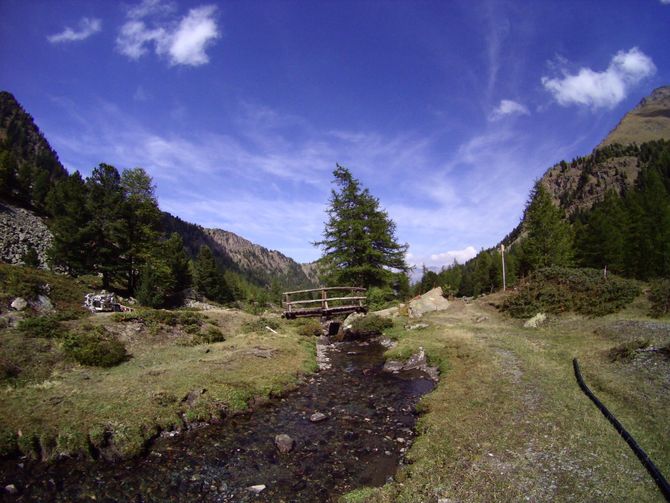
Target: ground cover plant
(113,381)
(560,289)
(507,421)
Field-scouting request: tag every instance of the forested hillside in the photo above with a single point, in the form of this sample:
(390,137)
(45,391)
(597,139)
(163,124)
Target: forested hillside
(607,210)
(109,224)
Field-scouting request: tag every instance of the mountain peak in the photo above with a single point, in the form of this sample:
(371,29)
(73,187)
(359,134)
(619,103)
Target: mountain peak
(649,120)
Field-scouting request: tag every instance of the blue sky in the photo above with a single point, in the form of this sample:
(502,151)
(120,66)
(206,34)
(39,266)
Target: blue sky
(447,111)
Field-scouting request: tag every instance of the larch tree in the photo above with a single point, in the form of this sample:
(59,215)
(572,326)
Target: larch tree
(359,243)
(549,238)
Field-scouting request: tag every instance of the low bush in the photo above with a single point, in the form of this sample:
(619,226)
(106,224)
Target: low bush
(309,327)
(659,296)
(559,289)
(47,327)
(154,317)
(95,346)
(370,324)
(626,351)
(379,298)
(212,334)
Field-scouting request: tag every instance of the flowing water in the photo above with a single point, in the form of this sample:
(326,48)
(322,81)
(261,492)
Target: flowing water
(369,425)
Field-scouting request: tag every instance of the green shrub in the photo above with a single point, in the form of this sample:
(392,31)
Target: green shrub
(47,327)
(370,324)
(626,351)
(309,327)
(560,289)
(379,298)
(659,296)
(212,334)
(155,317)
(95,347)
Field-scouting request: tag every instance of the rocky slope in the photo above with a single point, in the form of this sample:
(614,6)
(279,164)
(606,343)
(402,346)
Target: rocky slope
(259,264)
(21,230)
(614,164)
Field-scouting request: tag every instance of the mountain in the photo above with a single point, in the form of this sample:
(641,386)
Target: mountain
(260,265)
(649,120)
(614,164)
(29,169)
(28,164)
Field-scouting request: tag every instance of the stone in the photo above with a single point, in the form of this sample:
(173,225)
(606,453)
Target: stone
(284,443)
(11,489)
(317,417)
(392,366)
(43,304)
(349,320)
(428,302)
(535,321)
(257,489)
(19,304)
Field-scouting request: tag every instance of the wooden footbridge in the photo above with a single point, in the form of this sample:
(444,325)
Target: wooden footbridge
(316,302)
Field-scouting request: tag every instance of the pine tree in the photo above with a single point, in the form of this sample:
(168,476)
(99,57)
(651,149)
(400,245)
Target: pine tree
(141,219)
(207,278)
(105,205)
(71,248)
(359,243)
(549,240)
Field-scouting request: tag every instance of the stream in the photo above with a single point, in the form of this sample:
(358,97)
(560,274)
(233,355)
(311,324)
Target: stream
(369,425)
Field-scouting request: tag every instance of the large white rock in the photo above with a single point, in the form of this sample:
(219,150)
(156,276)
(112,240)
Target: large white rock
(19,304)
(428,302)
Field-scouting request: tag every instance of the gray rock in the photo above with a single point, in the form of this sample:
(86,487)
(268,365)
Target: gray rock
(392,366)
(11,489)
(43,304)
(428,302)
(257,489)
(284,443)
(418,326)
(349,320)
(317,417)
(19,304)
(391,312)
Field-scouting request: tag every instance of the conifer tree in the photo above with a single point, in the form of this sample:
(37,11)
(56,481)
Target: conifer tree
(549,240)
(359,243)
(71,248)
(207,278)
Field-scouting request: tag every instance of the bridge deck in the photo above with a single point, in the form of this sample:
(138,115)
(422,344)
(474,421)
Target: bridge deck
(326,307)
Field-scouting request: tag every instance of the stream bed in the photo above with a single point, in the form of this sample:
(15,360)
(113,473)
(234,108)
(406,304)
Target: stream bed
(369,425)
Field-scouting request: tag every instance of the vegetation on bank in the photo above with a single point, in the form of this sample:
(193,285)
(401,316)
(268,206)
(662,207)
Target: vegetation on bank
(103,385)
(508,422)
(627,233)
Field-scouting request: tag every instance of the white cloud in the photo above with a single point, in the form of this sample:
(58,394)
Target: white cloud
(665,2)
(87,27)
(451,256)
(506,108)
(183,43)
(602,89)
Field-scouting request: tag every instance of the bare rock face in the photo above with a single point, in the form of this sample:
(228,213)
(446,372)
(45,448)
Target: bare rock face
(21,230)
(428,302)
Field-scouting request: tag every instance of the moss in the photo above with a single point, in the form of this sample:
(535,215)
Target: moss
(358,495)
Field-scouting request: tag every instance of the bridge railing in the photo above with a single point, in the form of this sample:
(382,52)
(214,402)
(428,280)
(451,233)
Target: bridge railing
(324,301)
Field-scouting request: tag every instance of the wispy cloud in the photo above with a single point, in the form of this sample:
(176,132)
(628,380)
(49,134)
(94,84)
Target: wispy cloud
(87,27)
(182,42)
(603,89)
(508,108)
(277,169)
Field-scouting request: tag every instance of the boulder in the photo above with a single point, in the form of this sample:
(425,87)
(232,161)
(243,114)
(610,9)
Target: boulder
(19,304)
(257,489)
(284,443)
(349,321)
(428,302)
(43,304)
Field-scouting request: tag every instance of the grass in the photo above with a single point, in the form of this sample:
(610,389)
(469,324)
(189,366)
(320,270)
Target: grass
(51,406)
(508,422)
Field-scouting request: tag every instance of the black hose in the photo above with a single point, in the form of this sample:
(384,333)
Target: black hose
(639,452)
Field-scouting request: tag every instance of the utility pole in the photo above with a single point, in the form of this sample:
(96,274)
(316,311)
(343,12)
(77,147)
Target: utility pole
(502,257)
